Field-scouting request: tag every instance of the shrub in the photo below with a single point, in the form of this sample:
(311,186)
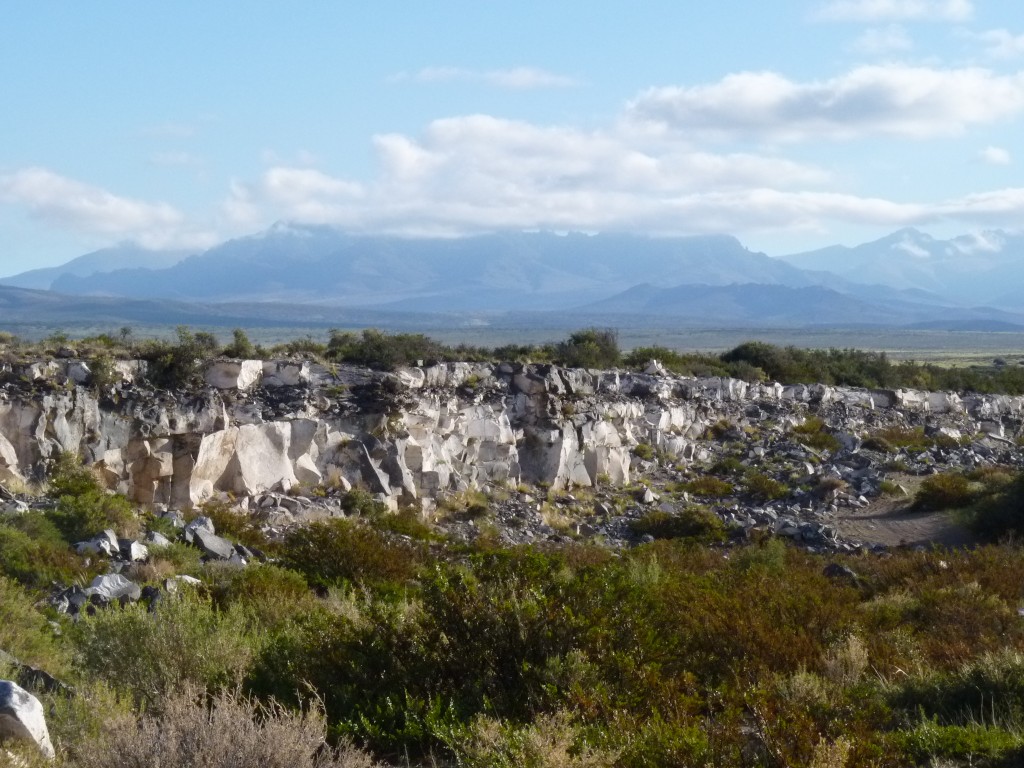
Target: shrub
(148,655)
(24,632)
(691,522)
(33,552)
(179,365)
(643,451)
(84,507)
(980,690)
(760,486)
(333,552)
(729,466)
(272,595)
(707,486)
(589,348)
(1000,512)
(550,741)
(234,524)
(814,433)
(946,490)
(185,729)
(376,349)
(361,502)
(101,372)
(240,346)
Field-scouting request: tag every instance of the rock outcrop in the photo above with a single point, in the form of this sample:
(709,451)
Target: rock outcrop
(22,719)
(416,433)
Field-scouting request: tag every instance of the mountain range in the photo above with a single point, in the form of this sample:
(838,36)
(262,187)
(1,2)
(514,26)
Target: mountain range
(318,275)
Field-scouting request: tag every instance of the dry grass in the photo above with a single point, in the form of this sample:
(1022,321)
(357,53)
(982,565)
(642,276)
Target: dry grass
(228,731)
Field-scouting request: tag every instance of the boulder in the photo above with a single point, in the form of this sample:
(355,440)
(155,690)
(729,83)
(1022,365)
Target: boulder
(201,523)
(22,719)
(133,551)
(234,374)
(113,586)
(105,542)
(213,546)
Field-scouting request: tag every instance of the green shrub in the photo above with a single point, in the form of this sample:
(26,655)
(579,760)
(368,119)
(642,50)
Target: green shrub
(84,507)
(589,348)
(814,433)
(765,488)
(269,593)
(149,655)
(234,524)
(408,522)
(729,466)
(946,490)
(33,551)
(179,365)
(240,346)
(984,689)
(335,552)
(976,743)
(550,741)
(361,502)
(690,522)
(999,513)
(376,349)
(643,451)
(707,486)
(24,632)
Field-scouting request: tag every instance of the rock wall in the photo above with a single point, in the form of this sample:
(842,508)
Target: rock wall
(413,434)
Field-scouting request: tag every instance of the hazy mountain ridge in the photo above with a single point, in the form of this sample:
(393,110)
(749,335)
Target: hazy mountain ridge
(105,260)
(981,268)
(324,264)
(320,275)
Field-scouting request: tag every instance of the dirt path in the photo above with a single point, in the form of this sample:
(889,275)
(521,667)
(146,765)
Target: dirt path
(889,521)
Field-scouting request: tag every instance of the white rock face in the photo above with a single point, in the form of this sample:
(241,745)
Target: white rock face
(22,719)
(451,427)
(234,374)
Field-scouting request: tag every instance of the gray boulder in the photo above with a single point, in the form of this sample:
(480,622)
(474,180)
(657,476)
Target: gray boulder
(213,546)
(114,586)
(199,524)
(21,718)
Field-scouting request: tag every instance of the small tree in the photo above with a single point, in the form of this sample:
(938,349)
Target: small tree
(590,348)
(240,346)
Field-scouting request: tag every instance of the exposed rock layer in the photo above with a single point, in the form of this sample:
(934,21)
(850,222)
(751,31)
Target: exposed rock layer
(412,434)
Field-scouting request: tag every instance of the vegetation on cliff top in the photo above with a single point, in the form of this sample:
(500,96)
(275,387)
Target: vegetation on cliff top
(177,362)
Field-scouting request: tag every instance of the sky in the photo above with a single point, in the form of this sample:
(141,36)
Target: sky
(791,125)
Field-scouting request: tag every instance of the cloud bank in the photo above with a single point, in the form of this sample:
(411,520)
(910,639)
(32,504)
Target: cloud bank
(893,100)
(676,160)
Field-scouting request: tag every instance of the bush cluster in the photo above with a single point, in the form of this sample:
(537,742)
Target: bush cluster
(179,362)
(666,654)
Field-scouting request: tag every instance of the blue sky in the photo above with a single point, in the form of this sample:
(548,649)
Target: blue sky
(791,125)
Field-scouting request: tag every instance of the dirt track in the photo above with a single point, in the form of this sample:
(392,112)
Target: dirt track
(889,521)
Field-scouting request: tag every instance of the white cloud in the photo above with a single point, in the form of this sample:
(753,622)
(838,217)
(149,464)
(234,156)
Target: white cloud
(1002,44)
(894,100)
(879,41)
(995,156)
(479,173)
(516,78)
(84,208)
(871,11)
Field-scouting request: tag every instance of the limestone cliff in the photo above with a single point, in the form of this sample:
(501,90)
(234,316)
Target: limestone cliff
(409,435)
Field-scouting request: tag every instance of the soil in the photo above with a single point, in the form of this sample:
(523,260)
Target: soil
(890,521)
